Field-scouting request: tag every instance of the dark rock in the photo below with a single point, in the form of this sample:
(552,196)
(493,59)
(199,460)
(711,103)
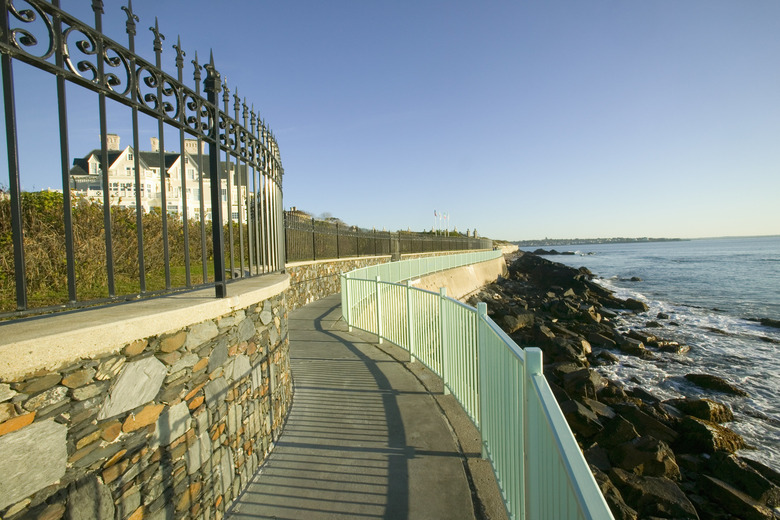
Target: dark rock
(605,357)
(734,501)
(584,383)
(620,510)
(653,496)
(767,472)
(703,409)
(601,340)
(662,316)
(653,325)
(644,337)
(598,457)
(603,411)
(635,279)
(767,322)
(635,305)
(645,424)
(612,394)
(643,394)
(616,432)
(582,421)
(646,456)
(744,477)
(698,436)
(515,322)
(711,382)
(632,346)
(672,347)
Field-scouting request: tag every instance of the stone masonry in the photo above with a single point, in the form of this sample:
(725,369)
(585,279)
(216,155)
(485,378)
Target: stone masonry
(172,426)
(310,281)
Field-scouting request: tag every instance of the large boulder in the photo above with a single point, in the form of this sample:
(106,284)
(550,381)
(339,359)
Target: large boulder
(744,477)
(646,456)
(711,382)
(735,501)
(620,510)
(582,421)
(699,436)
(653,496)
(635,305)
(705,409)
(521,320)
(584,383)
(645,424)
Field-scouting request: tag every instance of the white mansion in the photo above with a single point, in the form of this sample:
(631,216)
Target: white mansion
(183,172)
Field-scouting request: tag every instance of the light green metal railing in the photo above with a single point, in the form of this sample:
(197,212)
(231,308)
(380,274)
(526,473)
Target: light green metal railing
(540,469)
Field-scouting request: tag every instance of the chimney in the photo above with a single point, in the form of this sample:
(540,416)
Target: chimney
(112,142)
(191,146)
(155,144)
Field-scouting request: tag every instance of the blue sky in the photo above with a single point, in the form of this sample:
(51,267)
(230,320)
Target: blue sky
(523,120)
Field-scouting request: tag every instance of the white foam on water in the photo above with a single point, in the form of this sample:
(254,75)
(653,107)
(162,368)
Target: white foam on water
(722,345)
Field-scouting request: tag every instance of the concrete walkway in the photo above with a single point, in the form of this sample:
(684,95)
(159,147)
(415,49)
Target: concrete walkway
(365,438)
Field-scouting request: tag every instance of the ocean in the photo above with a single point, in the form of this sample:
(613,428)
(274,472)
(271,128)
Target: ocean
(715,292)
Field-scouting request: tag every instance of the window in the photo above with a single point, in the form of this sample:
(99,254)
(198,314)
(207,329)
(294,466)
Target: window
(224,193)
(234,215)
(191,173)
(129,156)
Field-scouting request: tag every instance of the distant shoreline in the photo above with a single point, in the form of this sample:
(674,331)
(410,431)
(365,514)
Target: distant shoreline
(589,241)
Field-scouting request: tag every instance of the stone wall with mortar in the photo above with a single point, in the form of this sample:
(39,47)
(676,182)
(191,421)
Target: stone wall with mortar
(171,425)
(310,281)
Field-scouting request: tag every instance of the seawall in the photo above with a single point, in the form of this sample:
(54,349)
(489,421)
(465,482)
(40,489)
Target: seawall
(162,408)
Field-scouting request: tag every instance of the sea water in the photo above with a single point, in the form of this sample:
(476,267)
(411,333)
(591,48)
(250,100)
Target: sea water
(715,292)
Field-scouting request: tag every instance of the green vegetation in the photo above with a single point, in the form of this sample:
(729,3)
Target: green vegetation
(46,261)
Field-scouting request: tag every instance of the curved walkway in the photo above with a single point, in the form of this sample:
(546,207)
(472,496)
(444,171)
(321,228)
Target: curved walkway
(364,438)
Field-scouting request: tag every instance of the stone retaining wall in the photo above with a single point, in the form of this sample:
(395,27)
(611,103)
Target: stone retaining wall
(171,425)
(159,409)
(310,281)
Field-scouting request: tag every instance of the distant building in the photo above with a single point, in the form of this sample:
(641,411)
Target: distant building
(181,179)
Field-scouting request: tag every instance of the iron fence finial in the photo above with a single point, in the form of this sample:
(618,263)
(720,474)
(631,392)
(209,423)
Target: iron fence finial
(158,36)
(180,54)
(131,18)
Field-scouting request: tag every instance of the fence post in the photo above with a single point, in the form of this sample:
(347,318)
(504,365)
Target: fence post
(482,376)
(347,310)
(313,241)
(410,321)
(443,327)
(378,313)
(531,367)
(213,87)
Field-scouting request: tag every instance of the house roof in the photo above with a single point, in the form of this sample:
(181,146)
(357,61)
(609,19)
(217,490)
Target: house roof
(152,160)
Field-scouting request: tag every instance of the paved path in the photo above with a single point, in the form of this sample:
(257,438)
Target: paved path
(364,438)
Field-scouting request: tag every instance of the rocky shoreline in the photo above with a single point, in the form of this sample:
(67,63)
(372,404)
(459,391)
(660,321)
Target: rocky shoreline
(651,458)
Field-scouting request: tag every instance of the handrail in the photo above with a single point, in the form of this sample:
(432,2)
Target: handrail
(540,470)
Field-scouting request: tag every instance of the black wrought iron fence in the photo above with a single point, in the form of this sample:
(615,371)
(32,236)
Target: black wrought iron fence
(307,238)
(211,210)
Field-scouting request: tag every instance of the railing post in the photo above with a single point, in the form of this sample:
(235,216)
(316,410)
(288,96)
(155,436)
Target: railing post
(443,330)
(378,313)
(347,310)
(213,87)
(410,320)
(531,367)
(482,376)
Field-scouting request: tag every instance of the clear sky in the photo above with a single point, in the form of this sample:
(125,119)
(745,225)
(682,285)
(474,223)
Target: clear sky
(523,119)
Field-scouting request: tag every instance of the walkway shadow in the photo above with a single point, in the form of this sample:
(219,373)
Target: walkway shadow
(343,452)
